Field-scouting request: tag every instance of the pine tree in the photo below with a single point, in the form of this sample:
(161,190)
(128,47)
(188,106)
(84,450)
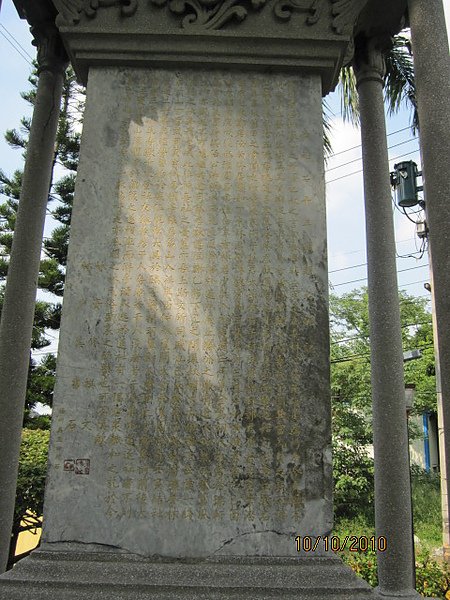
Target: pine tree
(52,269)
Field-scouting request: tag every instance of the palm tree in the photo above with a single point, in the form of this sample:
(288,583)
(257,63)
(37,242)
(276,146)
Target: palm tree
(399,89)
(399,85)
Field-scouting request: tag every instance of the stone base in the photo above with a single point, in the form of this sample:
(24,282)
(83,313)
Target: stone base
(113,575)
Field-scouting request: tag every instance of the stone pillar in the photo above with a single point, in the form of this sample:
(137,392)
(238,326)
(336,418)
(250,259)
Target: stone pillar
(20,292)
(390,438)
(432,74)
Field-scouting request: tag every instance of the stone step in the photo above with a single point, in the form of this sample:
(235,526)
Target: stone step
(118,576)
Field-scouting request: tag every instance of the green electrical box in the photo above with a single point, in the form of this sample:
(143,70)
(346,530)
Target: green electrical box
(404,180)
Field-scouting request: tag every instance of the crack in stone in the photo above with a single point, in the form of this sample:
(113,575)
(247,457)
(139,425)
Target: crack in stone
(54,104)
(233,539)
(81,543)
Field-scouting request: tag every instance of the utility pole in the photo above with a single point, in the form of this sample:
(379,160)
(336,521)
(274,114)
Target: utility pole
(404,181)
(432,76)
(20,291)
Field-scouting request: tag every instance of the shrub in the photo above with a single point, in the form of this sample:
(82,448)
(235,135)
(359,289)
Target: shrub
(432,577)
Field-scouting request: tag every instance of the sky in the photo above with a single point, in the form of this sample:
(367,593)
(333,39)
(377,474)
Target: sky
(344,189)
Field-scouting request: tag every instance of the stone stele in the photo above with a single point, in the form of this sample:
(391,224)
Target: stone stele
(191,419)
(192,415)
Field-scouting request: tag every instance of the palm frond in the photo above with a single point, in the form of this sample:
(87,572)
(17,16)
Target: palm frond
(326,120)
(349,95)
(399,83)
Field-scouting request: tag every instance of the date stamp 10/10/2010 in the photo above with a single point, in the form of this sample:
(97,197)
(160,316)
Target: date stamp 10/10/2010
(353,543)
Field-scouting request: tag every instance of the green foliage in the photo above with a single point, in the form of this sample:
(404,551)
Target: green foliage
(32,473)
(40,389)
(426,498)
(326,122)
(351,391)
(353,469)
(30,485)
(363,564)
(349,95)
(399,84)
(432,577)
(52,269)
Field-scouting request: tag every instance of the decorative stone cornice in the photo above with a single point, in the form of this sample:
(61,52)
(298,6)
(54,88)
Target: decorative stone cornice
(214,14)
(309,35)
(209,14)
(71,11)
(345,12)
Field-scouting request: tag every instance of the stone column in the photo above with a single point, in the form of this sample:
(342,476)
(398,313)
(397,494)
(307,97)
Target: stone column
(432,73)
(390,439)
(20,292)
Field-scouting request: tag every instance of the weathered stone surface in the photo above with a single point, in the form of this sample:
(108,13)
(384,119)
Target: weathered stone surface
(191,413)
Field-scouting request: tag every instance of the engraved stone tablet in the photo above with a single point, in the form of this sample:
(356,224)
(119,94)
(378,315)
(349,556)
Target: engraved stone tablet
(192,413)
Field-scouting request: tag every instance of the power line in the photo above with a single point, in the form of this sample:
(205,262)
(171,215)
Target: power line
(365,265)
(359,145)
(366,337)
(350,357)
(360,158)
(363,249)
(413,283)
(347,268)
(360,170)
(399,271)
(18,48)
(16,41)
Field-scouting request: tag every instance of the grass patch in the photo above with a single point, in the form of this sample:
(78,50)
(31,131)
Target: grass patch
(426,495)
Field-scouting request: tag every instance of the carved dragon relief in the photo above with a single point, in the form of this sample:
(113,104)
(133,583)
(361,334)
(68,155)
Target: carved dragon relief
(70,11)
(214,14)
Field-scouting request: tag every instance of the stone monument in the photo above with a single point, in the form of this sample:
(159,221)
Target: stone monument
(190,442)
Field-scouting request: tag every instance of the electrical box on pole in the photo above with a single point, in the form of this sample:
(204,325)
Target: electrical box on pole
(404,181)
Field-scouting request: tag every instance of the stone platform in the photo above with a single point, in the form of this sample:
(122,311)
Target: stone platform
(114,575)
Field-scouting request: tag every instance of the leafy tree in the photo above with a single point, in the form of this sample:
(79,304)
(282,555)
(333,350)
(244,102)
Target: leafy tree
(351,390)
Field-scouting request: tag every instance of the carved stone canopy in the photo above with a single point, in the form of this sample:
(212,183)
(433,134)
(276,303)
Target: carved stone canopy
(289,35)
(314,35)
